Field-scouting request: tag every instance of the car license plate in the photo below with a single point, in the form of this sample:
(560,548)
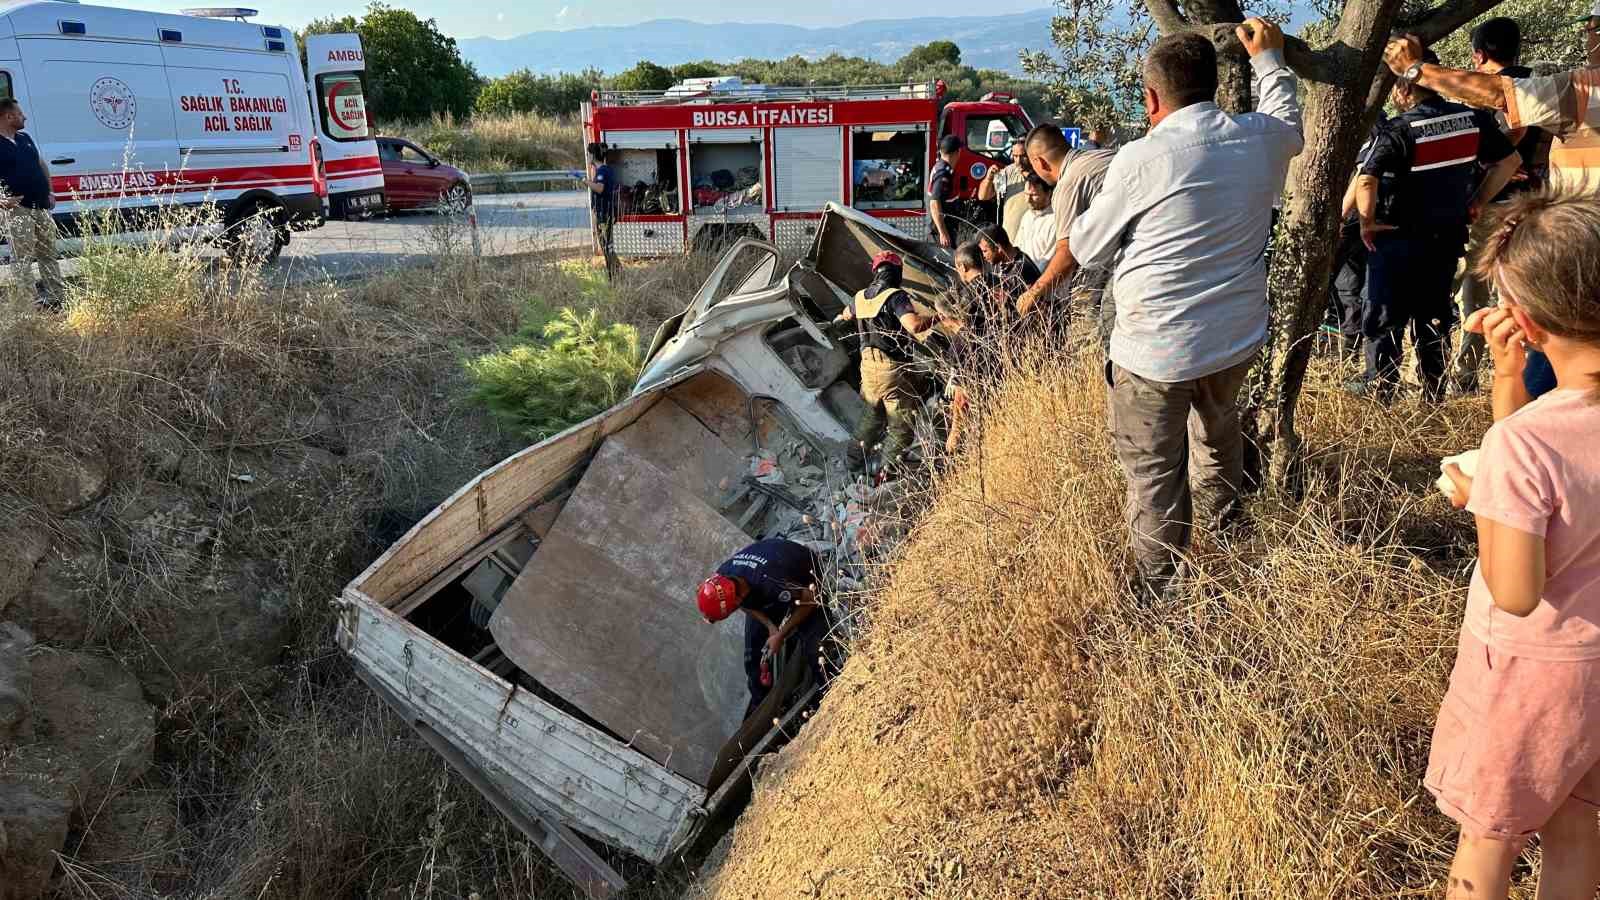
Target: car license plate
(365,201)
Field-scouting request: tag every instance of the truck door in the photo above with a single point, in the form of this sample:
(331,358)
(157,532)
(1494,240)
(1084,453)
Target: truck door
(102,114)
(335,64)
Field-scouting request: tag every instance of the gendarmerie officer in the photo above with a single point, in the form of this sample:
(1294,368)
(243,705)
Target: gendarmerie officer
(1415,197)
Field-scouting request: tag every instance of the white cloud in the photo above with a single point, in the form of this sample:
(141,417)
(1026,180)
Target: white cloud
(563,13)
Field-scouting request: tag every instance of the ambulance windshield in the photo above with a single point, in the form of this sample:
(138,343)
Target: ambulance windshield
(343,106)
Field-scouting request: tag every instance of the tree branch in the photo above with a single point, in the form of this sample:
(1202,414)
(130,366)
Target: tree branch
(1167,16)
(1437,23)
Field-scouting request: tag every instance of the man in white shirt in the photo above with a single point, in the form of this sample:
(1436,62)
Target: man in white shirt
(1036,232)
(1185,213)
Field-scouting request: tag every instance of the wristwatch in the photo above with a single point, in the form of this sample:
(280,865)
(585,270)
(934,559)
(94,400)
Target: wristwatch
(1411,74)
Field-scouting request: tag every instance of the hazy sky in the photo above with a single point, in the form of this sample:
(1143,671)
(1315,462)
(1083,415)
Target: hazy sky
(500,18)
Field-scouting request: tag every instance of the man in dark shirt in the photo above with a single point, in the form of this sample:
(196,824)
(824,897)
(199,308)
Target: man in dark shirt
(942,204)
(602,184)
(1414,196)
(27,202)
(1010,269)
(887,323)
(1496,49)
(775,583)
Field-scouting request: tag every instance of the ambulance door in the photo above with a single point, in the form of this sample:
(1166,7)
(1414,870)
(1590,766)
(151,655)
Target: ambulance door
(101,113)
(335,65)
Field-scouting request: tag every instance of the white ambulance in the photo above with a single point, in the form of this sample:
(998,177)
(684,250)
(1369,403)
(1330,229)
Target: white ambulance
(137,111)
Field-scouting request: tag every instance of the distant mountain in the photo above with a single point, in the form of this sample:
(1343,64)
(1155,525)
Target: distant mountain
(986,42)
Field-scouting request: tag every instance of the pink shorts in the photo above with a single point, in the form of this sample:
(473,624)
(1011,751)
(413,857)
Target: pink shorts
(1515,738)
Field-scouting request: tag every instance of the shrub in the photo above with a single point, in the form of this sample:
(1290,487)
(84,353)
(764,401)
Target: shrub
(498,143)
(583,368)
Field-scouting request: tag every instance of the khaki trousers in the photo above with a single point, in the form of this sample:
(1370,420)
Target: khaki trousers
(891,397)
(33,242)
(1168,436)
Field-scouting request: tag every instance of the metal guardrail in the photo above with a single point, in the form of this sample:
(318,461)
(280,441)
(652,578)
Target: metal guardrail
(508,182)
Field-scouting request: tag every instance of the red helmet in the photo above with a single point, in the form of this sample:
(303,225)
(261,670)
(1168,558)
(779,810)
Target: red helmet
(718,598)
(886,258)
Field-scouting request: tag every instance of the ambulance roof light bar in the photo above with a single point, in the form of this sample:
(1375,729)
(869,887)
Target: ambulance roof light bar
(236,13)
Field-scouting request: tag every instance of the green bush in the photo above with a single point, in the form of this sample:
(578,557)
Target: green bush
(579,368)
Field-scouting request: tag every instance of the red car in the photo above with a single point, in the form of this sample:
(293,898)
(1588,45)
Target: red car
(413,178)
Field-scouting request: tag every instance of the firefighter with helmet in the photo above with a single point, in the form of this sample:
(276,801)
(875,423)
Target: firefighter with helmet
(887,322)
(775,584)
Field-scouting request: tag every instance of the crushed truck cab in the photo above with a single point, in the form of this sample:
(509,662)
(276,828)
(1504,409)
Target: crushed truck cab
(539,628)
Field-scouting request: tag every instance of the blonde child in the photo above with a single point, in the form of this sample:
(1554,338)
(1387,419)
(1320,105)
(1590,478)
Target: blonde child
(1516,749)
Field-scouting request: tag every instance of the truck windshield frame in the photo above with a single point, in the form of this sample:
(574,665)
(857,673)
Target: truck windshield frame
(339,130)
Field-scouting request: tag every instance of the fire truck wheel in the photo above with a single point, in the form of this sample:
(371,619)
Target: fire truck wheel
(456,200)
(256,233)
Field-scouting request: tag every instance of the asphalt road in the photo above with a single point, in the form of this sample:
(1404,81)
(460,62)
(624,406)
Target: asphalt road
(507,223)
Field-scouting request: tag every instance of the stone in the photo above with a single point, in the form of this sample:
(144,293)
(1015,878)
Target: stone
(233,632)
(167,535)
(135,831)
(69,484)
(21,549)
(33,827)
(16,685)
(58,603)
(91,718)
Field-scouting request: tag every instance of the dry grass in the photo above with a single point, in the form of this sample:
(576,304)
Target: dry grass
(1013,724)
(349,407)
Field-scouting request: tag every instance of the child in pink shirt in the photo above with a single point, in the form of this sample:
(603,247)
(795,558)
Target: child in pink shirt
(1516,750)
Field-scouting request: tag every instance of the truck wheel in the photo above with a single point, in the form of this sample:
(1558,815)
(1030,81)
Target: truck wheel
(456,200)
(257,234)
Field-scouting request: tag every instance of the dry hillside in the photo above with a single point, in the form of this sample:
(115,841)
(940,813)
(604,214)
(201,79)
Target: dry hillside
(1015,725)
(193,461)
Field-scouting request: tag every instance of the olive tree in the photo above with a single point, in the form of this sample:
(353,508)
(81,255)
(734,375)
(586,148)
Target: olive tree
(1344,86)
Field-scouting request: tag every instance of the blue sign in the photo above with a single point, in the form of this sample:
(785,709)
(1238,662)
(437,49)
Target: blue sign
(1074,136)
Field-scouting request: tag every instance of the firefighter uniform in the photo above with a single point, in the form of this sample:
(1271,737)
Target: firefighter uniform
(1426,161)
(888,385)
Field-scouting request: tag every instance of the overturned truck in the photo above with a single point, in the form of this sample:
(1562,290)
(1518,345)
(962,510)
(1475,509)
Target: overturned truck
(539,630)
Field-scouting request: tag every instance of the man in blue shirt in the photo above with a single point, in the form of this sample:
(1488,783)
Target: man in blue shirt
(602,183)
(27,202)
(775,584)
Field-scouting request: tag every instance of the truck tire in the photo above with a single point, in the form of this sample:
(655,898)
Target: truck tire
(256,233)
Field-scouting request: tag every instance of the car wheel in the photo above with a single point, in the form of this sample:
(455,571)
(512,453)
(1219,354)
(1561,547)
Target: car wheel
(456,200)
(257,234)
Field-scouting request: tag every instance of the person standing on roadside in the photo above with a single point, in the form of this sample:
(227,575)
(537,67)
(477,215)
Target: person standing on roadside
(1001,184)
(1497,50)
(1186,211)
(1417,193)
(27,200)
(602,184)
(1075,177)
(943,207)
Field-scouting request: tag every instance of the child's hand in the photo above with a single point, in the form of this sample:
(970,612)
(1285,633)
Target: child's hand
(1505,337)
(1462,484)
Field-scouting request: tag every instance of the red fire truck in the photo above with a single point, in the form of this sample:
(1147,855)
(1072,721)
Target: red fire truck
(713,160)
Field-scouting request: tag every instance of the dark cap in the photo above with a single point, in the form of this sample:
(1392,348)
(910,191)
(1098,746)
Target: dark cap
(950,143)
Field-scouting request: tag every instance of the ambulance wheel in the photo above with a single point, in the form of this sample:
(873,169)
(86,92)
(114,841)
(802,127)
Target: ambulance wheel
(256,234)
(456,199)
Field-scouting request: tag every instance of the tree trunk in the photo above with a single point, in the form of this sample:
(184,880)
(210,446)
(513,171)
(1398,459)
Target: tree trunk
(1337,118)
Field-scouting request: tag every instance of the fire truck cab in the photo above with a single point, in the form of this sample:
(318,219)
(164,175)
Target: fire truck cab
(711,161)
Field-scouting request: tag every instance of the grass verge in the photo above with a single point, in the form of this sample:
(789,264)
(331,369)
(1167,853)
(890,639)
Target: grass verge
(1013,724)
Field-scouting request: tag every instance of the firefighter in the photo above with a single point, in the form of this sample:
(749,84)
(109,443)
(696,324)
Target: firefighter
(1415,200)
(887,323)
(944,207)
(775,583)
(602,184)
